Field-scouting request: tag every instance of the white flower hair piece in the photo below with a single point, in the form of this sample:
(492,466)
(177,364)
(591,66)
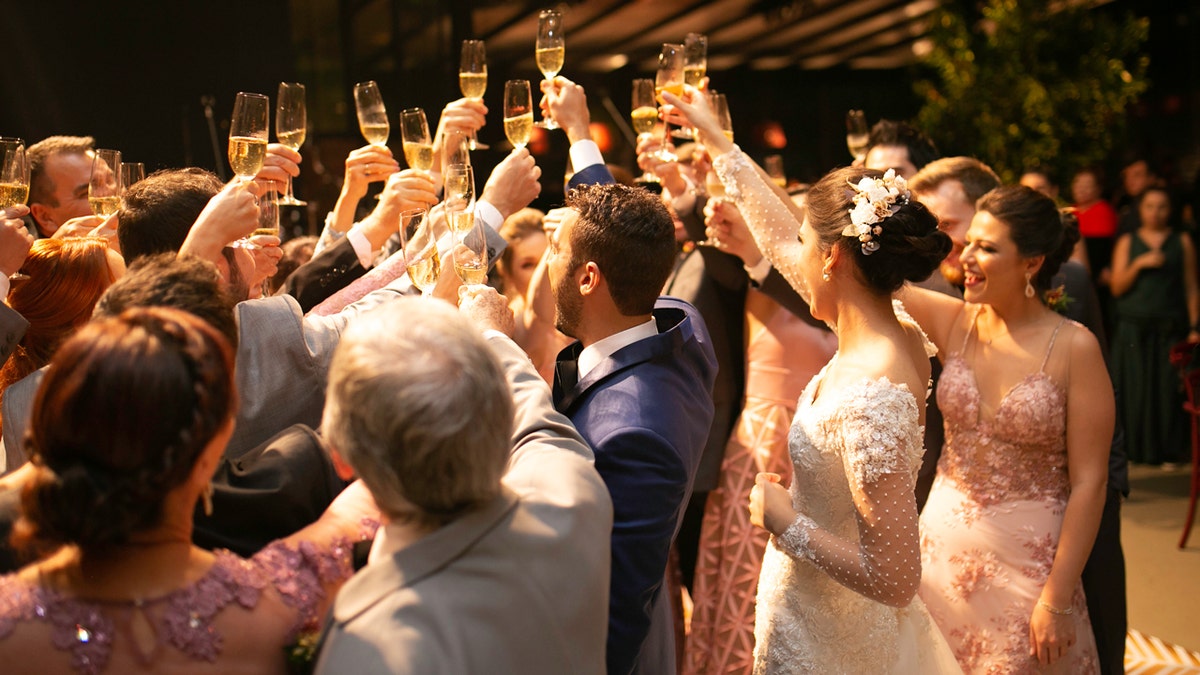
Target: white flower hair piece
(875,199)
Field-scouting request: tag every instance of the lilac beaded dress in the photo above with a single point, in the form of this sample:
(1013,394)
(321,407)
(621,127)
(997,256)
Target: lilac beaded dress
(237,617)
(990,529)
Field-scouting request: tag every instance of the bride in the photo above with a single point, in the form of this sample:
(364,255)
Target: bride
(838,586)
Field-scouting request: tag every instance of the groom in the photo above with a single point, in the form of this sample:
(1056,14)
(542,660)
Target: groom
(638,386)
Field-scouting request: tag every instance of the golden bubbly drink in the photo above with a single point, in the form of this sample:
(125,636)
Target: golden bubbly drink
(12,194)
(376,134)
(424,273)
(246,155)
(273,231)
(291,139)
(550,60)
(857,143)
(693,75)
(519,128)
(644,119)
(471,271)
(473,84)
(674,87)
(461,221)
(418,155)
(104,206)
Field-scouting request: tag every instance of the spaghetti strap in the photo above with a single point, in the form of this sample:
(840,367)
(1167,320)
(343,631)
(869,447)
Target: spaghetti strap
(1053,337)
(962,349)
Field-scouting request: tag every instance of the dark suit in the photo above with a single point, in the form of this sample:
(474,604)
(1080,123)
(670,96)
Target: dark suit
(645,411)
(328,272)
(12,329)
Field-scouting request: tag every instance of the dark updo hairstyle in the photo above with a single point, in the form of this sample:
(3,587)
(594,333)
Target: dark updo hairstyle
(119,421)
(910,244)
(1036,226)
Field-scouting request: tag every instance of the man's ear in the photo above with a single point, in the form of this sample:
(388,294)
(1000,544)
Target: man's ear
(589,278)
(340,467)
(42,218)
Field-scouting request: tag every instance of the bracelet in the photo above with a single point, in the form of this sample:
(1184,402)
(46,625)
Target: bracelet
(1054,610)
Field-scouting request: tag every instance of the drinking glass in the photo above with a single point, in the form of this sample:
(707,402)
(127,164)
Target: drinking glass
(695,67)
(248,129)
(472,77)
(857,135)
(518,112)
(104,186)
(414,131)
(459,196)
(645,116)
(291,126)
(419,236)
(372,116)
(14,173)
(550,50)
(720,108)
(455,148)
(131,173)
(668,78)
(773,165)
(470,252)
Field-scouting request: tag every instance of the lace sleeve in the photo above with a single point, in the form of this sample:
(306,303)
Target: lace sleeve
(306,575)
(772,223)
(879,438)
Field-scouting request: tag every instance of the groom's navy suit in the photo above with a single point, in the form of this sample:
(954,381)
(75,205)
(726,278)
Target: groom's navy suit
(645,411)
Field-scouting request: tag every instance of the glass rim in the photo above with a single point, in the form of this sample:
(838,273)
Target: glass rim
(251,94)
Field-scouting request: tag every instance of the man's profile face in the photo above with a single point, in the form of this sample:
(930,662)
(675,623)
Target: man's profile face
(884,157)
(68,173)
(568,302)
(949,204)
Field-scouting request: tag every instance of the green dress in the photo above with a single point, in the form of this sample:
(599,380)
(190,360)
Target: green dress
(1151,318)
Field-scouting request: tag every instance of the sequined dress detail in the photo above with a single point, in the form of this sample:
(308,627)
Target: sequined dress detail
(990,529)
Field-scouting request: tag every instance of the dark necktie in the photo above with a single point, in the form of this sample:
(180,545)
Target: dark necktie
(566,376)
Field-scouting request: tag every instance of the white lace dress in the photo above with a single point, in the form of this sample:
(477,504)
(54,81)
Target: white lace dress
(837,589)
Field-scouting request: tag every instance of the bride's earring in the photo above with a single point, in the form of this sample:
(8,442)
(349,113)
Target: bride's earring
(1029,292)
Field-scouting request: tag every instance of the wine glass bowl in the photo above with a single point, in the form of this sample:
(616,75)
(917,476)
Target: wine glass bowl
(131,173)
(550,51)
(372,115)
(472,77)
(14,173)
(518,112)
(419,236)
(858,135)
(695,67)
(459,196)
(414,132)
(104,184)
(248,134)
(291,127)
(470,252)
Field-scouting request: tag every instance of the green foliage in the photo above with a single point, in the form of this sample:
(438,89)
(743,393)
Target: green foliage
(1023,83)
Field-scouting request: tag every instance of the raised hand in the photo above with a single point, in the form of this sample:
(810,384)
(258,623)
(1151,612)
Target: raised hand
(514,183)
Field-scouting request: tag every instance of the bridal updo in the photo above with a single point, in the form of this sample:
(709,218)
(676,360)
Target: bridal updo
(910,244)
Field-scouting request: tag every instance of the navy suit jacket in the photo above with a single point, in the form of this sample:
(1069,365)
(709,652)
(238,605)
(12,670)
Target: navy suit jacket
(645,411)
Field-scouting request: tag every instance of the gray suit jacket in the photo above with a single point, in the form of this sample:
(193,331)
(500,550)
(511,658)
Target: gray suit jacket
(282,361)
(520,585)
(12,329)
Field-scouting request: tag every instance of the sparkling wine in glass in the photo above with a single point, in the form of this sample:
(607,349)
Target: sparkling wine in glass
(291,126)
(857,135)
(459,196)
(104,186)
(248,129)
(132,173)
(644,115)
(470,251)
(14,173)
(372,116)
(695,67)
(419,236)
(456,147)
(550,50)
(720,108)
(414,131)
(472,77)
(518,112)
(668,78)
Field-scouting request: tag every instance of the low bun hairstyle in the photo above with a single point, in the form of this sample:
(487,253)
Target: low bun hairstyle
(910,244)
(1036,226)
(119,421)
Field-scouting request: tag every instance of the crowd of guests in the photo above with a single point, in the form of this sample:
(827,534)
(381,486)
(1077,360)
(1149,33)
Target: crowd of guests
(684,429)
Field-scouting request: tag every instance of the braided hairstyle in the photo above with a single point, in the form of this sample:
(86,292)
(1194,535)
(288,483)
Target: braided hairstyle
(119,421)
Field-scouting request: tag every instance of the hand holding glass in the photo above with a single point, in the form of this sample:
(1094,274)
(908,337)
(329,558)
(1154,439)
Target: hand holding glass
(291,127)
(104,186)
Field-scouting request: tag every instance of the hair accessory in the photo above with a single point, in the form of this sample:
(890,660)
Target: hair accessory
(875,200)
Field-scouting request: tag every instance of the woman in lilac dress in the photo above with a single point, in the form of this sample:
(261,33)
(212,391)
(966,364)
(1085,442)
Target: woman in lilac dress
(127,429)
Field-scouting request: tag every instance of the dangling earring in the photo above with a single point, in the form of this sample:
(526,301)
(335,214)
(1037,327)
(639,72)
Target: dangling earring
(1029,292)
(825,275)
(206,496)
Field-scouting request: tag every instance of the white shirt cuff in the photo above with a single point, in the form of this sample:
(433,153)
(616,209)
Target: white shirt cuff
(585,153)
(758,273)
(489,214)
(362,247)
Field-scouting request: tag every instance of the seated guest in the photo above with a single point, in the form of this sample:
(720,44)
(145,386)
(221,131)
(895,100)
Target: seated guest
(125,436)
(493,555)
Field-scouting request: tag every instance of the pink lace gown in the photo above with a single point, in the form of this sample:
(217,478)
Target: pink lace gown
(990,529)
(237,617)
(783,353)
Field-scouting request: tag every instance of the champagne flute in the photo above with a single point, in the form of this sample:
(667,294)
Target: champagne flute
(414,131)
(459,196)
(248,134)
(455,148)
(773,165)
(644,115)
(857,135)
(472,77)
(695,67)
(470,252)
(291,126)
(550,50)
(372,116)
(419,236)
(131,173)
(104,186)
(668,78)
(14,173)
(518,112)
